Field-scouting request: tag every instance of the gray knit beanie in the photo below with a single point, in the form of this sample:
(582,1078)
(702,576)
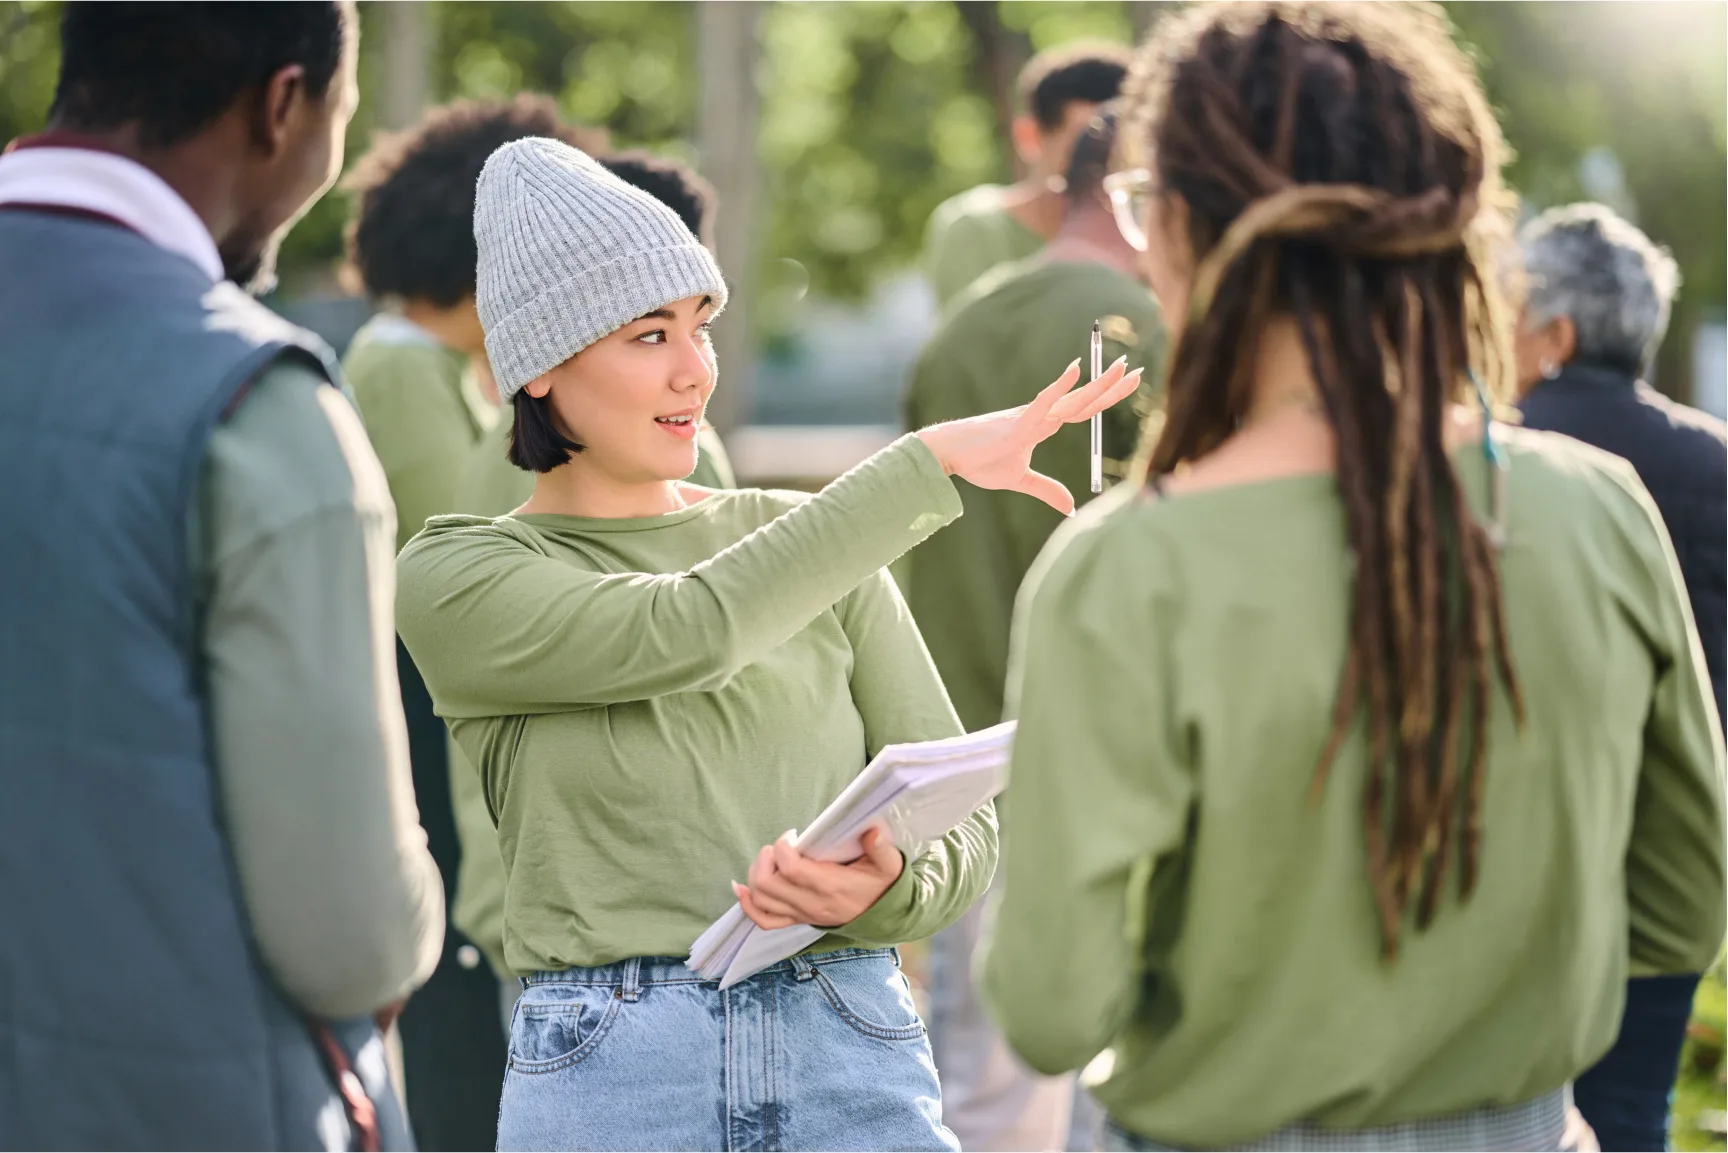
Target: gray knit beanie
(570,253)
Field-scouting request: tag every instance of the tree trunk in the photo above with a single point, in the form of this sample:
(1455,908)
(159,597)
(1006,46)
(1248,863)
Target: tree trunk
(997,57)
(727,47)
(405,91)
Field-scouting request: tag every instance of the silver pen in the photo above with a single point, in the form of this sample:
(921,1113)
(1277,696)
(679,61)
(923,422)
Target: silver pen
(1097,417)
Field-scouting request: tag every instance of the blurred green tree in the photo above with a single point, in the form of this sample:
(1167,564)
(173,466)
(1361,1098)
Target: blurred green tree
(873,112)
(1647,83)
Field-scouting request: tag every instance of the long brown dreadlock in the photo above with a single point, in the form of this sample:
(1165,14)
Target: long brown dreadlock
(1340,166)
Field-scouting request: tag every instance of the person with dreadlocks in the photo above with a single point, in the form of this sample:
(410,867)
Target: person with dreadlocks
(1365,744)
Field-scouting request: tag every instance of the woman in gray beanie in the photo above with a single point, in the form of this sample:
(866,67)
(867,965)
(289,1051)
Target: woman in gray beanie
(655,679)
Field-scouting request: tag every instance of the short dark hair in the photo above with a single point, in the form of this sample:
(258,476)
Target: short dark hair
(413,229)
(536,445)
(677,186)
(1089,72)
(174,68)
(1089,163)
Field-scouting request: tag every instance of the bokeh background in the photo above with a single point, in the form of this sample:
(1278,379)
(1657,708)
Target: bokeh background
(832,129)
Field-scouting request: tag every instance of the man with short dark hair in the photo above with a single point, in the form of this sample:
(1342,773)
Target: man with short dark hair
(1015,327)
(1058,90)
(213,876)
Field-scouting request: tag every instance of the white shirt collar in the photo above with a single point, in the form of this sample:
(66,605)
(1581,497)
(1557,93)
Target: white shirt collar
(82,178)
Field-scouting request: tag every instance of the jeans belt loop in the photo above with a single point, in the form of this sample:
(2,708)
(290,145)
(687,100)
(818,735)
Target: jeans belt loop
(631,990)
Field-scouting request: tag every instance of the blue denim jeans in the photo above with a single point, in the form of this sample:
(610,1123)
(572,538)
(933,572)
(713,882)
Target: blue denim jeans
(1625,1096)
(821,1052)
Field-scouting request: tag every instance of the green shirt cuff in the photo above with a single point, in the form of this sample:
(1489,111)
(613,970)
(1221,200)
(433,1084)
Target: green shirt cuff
(937,500)
(884,922)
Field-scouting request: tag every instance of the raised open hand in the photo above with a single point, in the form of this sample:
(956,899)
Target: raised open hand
(995,450)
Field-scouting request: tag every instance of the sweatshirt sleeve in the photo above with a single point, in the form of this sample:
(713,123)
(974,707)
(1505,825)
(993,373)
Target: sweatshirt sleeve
(900,698)
(342,894)
(497,628)
(410,399)
(1675,861)
(1098,799)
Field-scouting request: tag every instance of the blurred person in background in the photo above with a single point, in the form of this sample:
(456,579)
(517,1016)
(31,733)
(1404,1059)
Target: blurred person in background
(1597,300)
(420,379)
(418,368)
(654,679)
(213,875)
(1366,745)
(1001,341)
(492,486)
(1059,90)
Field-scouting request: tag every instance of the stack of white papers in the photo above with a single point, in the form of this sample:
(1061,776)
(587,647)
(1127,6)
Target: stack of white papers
(918,792)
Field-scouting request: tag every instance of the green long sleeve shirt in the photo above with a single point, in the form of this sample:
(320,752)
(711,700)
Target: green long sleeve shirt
(968,235)
(491,487)
(650,700)
(1008,337)
(1170,898)
(292,540)
(424,415)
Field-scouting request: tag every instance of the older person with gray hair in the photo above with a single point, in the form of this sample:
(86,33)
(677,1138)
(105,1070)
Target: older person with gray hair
(1598,296)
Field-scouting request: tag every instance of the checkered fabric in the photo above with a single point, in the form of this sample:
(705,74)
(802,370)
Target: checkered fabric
(1539,1123)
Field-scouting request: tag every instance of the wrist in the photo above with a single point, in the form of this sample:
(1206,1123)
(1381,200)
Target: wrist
(935,441)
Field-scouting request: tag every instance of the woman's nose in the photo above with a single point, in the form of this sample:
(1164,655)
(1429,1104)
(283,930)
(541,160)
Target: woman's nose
(695,365)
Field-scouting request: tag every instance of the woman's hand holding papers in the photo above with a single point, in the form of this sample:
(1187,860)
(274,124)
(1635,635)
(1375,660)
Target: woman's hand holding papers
(787,888)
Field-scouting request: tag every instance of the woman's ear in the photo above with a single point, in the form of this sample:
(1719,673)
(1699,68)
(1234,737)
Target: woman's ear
(1170,221)
(1028,140)
(1563,339)
(539,386)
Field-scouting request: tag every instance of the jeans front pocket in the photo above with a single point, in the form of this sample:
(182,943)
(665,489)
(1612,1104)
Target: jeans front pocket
(871,995)
(558,1025)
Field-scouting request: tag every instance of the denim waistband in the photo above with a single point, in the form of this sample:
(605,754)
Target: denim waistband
(632,975)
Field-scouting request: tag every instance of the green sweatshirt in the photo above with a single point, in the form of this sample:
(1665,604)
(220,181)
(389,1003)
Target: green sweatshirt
(968,235)
(1007,337)
(423,413)
(651,700)
(292,545)
(491,487)
(1170,896)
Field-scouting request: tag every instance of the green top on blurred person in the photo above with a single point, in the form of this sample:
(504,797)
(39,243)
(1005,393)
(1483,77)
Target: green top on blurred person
(1367,746)
(1058,91)
(1002,338)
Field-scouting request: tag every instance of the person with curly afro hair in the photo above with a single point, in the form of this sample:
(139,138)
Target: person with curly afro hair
(420,378)
(418,369)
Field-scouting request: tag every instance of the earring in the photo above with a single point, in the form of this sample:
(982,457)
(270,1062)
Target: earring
(1550,370)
